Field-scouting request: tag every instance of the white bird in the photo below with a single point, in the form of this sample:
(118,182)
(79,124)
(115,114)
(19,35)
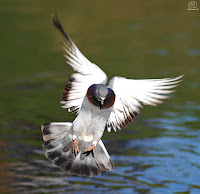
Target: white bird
(77,147)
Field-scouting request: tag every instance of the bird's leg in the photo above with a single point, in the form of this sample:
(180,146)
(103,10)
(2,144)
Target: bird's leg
(75,148)
(92,147)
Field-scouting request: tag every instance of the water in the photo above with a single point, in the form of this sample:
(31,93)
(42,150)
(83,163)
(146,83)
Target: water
(159,152)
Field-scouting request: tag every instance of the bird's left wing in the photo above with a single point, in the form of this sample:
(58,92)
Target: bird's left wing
(78,83)
(131,94)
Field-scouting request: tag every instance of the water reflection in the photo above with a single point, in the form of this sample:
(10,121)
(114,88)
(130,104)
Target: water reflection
(193,52)
(168,162)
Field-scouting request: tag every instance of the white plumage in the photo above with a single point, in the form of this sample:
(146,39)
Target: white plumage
(130,93)
(77,147)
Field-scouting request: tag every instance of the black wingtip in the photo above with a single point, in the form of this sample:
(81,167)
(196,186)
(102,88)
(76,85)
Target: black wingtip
(56,21)
(59,26)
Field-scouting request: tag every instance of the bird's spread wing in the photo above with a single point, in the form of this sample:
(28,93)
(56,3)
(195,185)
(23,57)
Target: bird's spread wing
(78,83)
(131,94)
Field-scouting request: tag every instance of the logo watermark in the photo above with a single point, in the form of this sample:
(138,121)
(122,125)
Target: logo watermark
(192,6)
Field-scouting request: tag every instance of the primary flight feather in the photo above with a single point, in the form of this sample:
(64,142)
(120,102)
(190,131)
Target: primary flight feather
(77,147)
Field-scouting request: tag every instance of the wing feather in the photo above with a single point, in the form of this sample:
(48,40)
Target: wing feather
(131,94)
(78,83)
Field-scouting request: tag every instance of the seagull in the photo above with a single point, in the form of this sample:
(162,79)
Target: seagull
(77,147)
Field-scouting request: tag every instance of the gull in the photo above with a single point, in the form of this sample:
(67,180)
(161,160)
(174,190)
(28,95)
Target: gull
(77,147)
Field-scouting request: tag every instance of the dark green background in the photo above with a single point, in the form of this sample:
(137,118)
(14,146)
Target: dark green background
(160,151)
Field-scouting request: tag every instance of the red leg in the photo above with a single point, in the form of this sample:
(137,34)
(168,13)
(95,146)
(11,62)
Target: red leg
(75,148)
(92,147)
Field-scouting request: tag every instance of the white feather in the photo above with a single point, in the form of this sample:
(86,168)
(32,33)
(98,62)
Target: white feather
(88,74)
(131,93)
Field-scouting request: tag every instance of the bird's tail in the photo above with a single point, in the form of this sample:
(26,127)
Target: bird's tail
(58,146)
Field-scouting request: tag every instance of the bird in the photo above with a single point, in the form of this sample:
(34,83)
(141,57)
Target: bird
(76,147)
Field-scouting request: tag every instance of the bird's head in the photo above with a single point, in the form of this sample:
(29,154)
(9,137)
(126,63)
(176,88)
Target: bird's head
(101,96)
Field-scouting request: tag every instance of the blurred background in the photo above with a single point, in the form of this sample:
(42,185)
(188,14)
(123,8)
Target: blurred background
(160,151)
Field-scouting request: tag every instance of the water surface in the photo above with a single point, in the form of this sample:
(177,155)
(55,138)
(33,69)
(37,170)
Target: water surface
(159,152)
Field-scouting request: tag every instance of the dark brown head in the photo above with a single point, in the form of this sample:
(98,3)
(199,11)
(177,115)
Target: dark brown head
(101,96)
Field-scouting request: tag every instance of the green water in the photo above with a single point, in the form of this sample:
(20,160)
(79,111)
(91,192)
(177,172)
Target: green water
(159,152)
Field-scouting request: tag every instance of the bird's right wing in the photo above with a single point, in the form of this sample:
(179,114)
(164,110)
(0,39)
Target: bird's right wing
(78,83)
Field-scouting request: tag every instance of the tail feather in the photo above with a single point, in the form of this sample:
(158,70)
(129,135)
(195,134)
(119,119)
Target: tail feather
(55,130)
(102,158)
(58,148)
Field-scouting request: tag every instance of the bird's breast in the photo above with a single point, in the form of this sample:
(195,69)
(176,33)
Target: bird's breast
(90,121)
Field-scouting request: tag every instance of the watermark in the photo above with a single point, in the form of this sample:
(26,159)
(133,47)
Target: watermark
(192,6)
